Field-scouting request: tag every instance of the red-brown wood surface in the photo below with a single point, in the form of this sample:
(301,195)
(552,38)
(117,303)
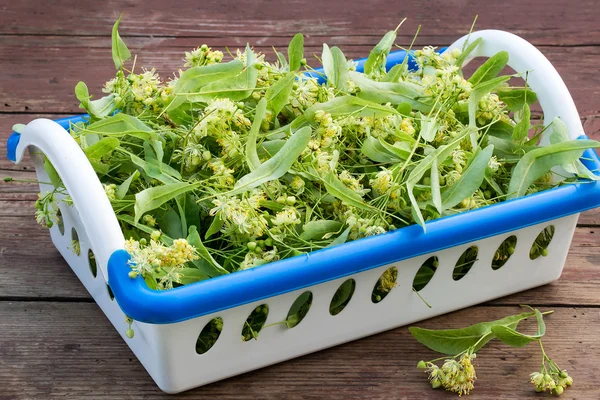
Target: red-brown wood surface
(54,342)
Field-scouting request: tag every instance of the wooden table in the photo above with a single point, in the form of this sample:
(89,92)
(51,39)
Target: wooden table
(55,342)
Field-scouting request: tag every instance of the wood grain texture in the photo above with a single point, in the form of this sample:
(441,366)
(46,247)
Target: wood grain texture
(54,342)
(57,69)
(71,351)
(540,21)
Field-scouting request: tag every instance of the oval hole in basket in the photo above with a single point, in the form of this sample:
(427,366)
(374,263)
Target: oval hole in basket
(385,284)
(541,243)
(464,263)
(59,222)
(209,335)
(505,250)
(299,309)
(110,292)
(92,263)
(342,297)
(255,322)
(425,273)
(75,244)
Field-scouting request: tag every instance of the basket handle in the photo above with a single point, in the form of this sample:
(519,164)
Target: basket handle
(553,95)
(81,182)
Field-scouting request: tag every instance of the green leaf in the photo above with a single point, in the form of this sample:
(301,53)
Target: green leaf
(392,92)
(340,239)
(268,149)
(335,66)
(317,229)
(195,78)
(120,125)
(350,105)
(144,228)
(276,166)
(438,155)
(154,197)
(394,74)
(251,154)
(342,295)
(469,181)
(477,94)
(560,134)
(337,189)
(429,127)
(467,52)
(373,148)
(213,268)
(215,226)
(378,56)
(278,94)
(192,275)
(150,282)
(521,129)
(508,151)
(98,108)
(436,196)
(123,188)
(455,341)
(169,222)
(296,52)
(236,88)
(515,99)
(120,52)
(513,338)
(19,128)
(490,69)
(52,174)
(292,318)
(281,58)
(540,161)
(101,148)
(153,170)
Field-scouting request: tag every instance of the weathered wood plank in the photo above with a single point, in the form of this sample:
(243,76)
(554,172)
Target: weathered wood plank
(71,351)
(55,64)
(539,21)
(43,273)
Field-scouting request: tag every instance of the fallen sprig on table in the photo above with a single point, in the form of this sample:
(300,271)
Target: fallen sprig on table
(463,344)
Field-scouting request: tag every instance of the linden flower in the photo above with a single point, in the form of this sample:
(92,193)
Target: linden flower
(454,376)
(353,183)
(201,56)
(382,182)
(551,379)
(288,216)
(110,191)
(147,260)
(305,95)
(46,206)
(494,164)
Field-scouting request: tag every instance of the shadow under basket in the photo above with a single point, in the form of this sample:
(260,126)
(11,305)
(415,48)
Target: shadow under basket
(167,324)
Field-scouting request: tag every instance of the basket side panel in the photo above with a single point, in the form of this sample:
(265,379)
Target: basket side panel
(185,369)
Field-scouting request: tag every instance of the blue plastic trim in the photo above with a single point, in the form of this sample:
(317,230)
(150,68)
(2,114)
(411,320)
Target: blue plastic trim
(395,57)
(11,146)
(15,137)
(227,291)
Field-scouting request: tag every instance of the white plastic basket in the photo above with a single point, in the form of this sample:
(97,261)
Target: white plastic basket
(167,324)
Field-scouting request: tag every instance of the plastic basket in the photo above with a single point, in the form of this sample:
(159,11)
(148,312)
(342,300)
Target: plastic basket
(167,323)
